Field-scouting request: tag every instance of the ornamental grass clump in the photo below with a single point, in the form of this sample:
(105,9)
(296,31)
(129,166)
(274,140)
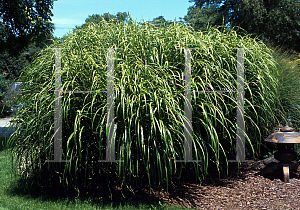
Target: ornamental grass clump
(149,105)
(289,85)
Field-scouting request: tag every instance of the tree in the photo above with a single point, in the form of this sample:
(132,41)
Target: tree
(201,16)
(23,22)
(276,21)
(160,21)
(95,18)
(13,66)
(122,17)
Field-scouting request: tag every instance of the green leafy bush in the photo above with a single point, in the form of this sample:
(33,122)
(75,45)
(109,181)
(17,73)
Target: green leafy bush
(4,85)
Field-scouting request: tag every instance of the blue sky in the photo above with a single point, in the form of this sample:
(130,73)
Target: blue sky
(69,13)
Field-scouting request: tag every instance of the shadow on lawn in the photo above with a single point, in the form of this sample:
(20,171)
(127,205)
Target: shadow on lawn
(98,193)
(2,143)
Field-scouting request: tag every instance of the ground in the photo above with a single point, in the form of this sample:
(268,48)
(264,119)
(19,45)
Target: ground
(245,189)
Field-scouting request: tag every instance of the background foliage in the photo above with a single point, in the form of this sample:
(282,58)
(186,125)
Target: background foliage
(276,22)
(24,22)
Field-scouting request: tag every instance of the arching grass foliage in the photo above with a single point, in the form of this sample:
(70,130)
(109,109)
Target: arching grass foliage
(149,105)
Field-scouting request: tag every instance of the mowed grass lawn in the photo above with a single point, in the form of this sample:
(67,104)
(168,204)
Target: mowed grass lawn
(13,197)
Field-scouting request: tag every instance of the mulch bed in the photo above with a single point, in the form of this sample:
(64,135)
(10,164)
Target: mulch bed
(245,189)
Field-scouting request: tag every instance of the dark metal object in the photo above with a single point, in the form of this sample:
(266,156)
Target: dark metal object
(285,140)
(286,135)
(285,153)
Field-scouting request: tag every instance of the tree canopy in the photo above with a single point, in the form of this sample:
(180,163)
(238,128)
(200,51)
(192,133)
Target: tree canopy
(95,18)
(22,22)
(157,22)
(276,21)
(160,21)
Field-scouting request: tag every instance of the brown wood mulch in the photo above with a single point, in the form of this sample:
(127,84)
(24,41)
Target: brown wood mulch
(246,189)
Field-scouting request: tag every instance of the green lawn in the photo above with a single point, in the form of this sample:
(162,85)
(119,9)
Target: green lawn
(13,197)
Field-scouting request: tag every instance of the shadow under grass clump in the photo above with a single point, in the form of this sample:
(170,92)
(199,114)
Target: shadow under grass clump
(98,194)
(101,194)
(2,143)
(21,187)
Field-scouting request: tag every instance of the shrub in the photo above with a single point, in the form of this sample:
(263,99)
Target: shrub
(4,85)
